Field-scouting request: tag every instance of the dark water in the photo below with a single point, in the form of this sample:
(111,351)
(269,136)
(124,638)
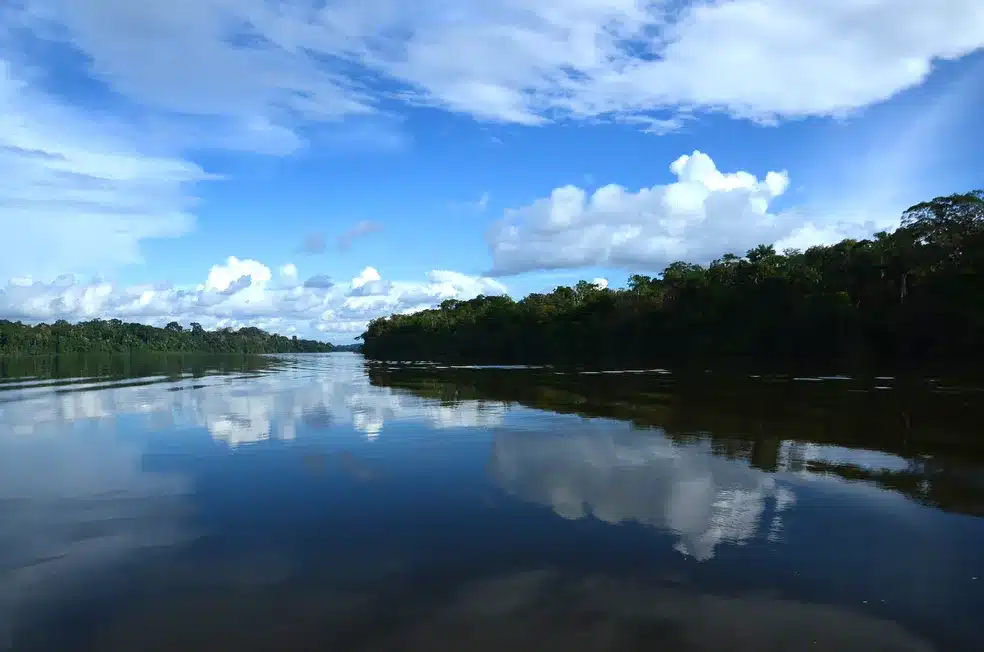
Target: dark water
(317,503)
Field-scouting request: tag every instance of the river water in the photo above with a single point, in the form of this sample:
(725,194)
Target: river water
(321,502)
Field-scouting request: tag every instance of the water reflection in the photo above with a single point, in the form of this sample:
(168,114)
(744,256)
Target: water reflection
(72,508)
(642,477)
(238,408)
(75,495)
(921,442)
(312,503)
(543,610)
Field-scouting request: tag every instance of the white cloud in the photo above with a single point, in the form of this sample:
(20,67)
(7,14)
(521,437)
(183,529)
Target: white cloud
(80,191)
(368,275)
(262,65)
(600,283)
(239,293)
(288,273)
(220,277)
(76,193)
(698,217)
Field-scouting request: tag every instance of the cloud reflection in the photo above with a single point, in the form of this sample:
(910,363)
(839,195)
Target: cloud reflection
(315,392)
(616,476)
(71,506)
(75,499)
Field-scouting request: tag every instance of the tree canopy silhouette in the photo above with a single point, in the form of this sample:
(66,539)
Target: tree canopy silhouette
(911,298)
(108,336)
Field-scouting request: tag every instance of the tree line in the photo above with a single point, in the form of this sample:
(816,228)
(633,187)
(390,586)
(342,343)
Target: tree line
(912,298)
(113,335)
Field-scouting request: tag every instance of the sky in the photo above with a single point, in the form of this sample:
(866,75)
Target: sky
(306,166)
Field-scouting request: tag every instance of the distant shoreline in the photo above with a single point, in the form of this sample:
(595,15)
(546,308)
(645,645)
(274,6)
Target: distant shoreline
(116,336)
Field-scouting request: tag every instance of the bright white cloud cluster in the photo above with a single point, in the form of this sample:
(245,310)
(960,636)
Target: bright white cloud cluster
(259,64)
(240,293)
(80,189)
(701,215)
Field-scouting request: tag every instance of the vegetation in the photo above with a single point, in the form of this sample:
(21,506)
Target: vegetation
(907,299)
(102,336)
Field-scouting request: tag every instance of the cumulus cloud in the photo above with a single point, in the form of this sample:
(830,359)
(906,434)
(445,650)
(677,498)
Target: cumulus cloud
(241,292)
(701,215)
(258,65)
(288,273)
(81,191)
(365,227)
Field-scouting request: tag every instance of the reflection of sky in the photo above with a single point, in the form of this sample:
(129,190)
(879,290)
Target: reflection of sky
(242,409)
(842,541)
(70,504)
(86,489)
(617,475)
(75,498)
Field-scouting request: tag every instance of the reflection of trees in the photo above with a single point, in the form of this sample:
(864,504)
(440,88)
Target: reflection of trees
(772,425)
(952,486)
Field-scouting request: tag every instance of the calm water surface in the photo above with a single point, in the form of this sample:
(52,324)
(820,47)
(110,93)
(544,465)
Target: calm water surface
(322,503)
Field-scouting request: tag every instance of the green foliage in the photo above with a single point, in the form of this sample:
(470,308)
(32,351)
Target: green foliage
(109,336)
(907,299)
(350,348)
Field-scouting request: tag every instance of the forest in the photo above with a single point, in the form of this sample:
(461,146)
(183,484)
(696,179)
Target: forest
(111,336)
(910,299)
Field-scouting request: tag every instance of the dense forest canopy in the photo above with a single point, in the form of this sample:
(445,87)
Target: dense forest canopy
(108,336)
(912,298)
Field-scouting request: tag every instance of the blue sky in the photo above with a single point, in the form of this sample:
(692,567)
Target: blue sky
(307,166)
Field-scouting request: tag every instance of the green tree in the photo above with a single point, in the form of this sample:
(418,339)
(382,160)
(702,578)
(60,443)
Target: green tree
(905,299)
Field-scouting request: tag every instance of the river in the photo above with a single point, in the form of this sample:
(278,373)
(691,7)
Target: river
(323,502)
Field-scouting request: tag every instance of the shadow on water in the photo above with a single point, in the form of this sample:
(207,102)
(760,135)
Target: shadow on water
(322,503)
